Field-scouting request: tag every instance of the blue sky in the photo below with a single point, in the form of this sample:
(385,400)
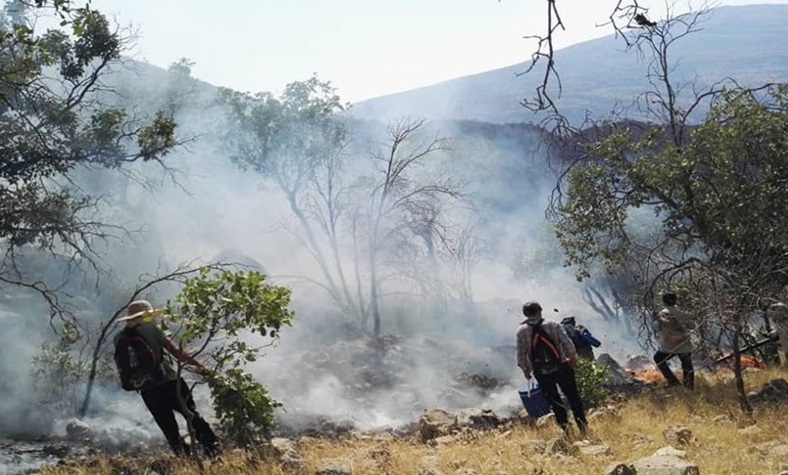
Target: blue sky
(366,48)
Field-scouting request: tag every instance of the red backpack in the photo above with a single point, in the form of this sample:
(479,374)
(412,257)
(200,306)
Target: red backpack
(545,357)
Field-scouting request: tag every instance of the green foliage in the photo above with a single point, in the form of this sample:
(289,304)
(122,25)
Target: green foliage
(219,312)
(56,372)
(717,196)
(286,136)
(53,122)
(243,407)
(590,375)
(158,138)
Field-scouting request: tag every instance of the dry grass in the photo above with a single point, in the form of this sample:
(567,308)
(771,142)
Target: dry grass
(718,448)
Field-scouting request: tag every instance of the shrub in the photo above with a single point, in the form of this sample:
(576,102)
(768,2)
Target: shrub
(590,375)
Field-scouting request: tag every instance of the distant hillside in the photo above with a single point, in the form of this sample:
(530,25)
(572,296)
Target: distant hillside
(747,43)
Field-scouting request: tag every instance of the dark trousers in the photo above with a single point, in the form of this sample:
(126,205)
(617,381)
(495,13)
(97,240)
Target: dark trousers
(162,402)
(688,372)
(565,379)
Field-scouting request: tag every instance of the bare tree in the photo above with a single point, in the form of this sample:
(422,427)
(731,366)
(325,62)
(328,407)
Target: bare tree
(401,200)
(625,15)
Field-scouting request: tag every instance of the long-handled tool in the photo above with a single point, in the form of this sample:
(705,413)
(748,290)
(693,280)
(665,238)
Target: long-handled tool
(747,348)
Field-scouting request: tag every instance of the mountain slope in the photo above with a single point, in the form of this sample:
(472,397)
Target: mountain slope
(746,43)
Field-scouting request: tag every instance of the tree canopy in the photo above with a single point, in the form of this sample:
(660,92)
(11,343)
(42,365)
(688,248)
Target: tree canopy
(52,121)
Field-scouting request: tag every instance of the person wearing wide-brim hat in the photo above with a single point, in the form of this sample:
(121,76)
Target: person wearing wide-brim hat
(167,393)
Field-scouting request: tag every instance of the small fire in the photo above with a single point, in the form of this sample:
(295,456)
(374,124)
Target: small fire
(750,361)
(646,374)
(650,373)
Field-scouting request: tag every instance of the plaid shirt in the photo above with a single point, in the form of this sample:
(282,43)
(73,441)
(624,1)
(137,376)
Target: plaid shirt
(566,349)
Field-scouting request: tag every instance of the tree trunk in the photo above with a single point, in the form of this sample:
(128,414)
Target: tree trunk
(373,299)
(744,403)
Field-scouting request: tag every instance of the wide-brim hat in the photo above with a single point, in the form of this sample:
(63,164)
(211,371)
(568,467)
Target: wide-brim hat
(138,309)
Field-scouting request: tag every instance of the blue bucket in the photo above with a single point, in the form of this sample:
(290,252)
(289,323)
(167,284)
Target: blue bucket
(534,399)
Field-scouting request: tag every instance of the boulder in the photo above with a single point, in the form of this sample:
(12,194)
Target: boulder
(666,461)
(434,423)
(678,435)
(334,467)
(77,429)
(618,468)
(477,418)
(282,446)
(775,391)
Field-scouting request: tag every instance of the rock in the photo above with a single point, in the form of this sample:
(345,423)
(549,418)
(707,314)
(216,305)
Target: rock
(477,418)
(77,429)
(292,462)
(618,468)
(428,471)
(751,430)
(670,452)
(775,391)
(283,446)
(616,374)
(334,467)
(638,362)
(723,419)
(765,447)
(595,449)
(678,435)
(665,465)
(604,413)
(779,451)
(435,423)
(286,451)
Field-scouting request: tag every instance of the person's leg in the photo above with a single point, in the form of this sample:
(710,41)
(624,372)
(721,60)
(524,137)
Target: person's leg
(550,387)
(688,372)
(158,401)
(662,358)
(202,430)
(568,384)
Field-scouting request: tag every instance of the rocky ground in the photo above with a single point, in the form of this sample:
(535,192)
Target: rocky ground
(368,374)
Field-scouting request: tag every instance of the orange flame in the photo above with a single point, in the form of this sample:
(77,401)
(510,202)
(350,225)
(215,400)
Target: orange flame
(651,374)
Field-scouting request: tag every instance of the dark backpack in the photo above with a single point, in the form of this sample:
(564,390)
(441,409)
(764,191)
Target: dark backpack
(137,362)
(544,354)
(575,334)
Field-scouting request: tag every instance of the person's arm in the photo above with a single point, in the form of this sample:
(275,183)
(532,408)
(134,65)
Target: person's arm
(183,356)
(524,352)
(684,319)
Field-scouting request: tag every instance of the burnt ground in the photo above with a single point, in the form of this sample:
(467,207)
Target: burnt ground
(368,374)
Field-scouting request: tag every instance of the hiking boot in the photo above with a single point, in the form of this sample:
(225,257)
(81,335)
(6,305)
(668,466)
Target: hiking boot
(212,451)
(582,426)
